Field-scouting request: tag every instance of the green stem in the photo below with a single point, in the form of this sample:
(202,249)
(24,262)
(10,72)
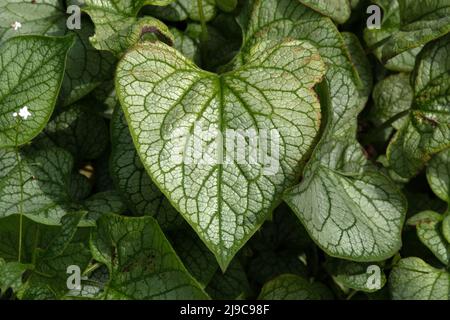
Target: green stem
(372,137)
(202,20)
(92,268)
(36,240)
(350,296)
(389,122)
(19,164)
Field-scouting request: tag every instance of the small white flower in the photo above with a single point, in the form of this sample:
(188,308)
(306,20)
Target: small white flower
(23,113)
(16,25)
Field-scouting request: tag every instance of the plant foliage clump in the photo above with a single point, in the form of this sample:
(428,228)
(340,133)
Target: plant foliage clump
(347,196)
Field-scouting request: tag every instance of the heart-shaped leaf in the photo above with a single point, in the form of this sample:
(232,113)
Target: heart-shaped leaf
(272,93)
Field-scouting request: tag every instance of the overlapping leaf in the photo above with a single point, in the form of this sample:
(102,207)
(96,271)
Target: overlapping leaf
(40,188)
(349,208)
(141,262)
(180,10)
(407,25)
(117,26)
(427,130)
(32,69)
(86,67)
(338,10)
(292,287)
(429,230)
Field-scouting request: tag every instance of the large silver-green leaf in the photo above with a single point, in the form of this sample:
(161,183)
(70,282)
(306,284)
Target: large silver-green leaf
(349,209)
(427,130)
(353,216)
(140,260)
(160,91)
(338,10)
(413,279)
(117,26)
(31,75)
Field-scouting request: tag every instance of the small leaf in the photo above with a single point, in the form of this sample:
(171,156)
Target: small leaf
(392,96)
(117,26)
(86,67)
(413,279)
(69,225)
(180,10)
(79,131)
(429,230)
(102,203)
(46,194)
(44,17)
(410,24)
(338,10)
(427,131)
(199,261)
(292,287)
(186,45)
(49,279)
(32,72)
(357,217)
(11,275)
(141,262)
(438,175)
(357,276)
(231,284)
